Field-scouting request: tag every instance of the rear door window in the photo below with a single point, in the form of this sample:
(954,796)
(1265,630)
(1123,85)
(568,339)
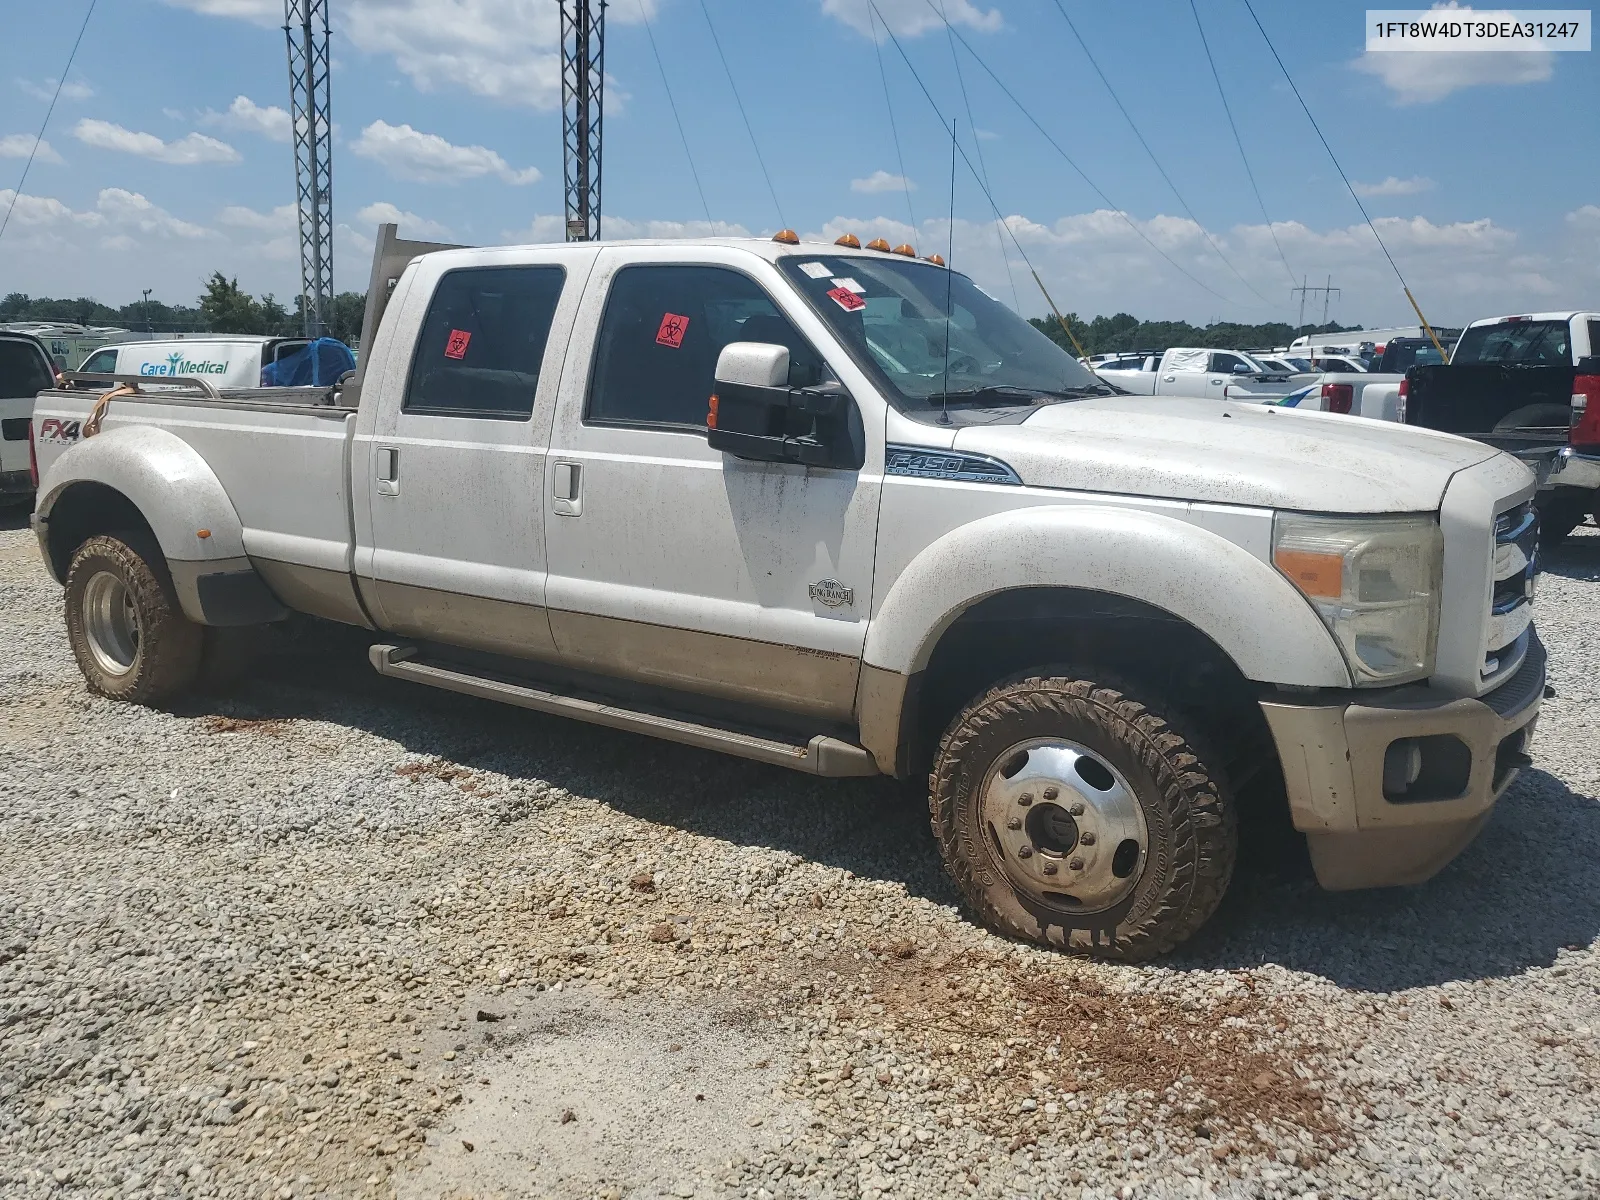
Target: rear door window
(24,370)
(1594,339)
(482,343)
(103,362)
(1531,343)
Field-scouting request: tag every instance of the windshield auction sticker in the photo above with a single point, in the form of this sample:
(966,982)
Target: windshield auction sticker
(1456,29)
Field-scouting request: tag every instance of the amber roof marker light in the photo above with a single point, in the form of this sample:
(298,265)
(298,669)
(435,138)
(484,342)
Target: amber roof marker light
(848,239)
(878,244)
(787,236)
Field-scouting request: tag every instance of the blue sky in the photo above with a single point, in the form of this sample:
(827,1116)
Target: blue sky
(167,156)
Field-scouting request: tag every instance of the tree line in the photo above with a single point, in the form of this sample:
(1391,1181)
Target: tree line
(1106,335)
(224,307)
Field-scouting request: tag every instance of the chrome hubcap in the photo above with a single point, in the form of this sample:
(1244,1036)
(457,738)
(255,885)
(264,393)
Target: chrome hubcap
(111,623)
(1064,824)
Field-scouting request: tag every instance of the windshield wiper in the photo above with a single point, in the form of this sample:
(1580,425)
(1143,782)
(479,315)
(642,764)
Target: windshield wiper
(1005,393)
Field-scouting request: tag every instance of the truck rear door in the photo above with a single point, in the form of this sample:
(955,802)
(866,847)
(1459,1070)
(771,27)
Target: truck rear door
(672,563)
(454,463)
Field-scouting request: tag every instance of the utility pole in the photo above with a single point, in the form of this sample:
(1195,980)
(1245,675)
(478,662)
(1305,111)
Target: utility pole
(583,55)
(148,328)
(1327,291)
(305,27)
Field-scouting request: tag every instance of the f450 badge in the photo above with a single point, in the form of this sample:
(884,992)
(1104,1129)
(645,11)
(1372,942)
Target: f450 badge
(60,433)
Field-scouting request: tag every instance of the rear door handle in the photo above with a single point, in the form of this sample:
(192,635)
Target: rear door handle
(388,472)
(567,494)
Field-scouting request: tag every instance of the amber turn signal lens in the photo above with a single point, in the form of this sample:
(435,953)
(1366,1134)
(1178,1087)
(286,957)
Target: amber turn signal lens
(908,251)
(202,533)
(711,417)
(787,236)
(878,244)
(1320,575)
(848,239)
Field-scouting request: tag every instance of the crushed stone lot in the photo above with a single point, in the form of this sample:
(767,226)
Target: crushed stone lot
(328,934)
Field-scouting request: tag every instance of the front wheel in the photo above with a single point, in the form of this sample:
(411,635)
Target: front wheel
(124,624)
(1074,815)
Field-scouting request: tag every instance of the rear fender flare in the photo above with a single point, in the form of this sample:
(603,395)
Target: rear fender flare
(174,489)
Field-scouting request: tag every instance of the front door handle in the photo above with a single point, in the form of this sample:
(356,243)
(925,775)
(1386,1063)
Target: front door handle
(567,494)
(388,472)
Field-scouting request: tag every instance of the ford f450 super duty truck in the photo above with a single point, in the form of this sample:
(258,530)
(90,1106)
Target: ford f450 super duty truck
(767,498)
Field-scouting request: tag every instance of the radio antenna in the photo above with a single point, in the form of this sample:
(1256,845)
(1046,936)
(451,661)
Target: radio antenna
(949,277)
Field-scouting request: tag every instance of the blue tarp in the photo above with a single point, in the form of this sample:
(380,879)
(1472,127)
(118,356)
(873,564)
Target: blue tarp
(316,364)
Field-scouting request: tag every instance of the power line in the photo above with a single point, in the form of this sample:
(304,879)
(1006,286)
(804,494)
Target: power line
(949,127)
(754,145)
(60,83)
(977,144)
(1059,149)
(1348,185)
(894,130)
(1126,116)
(1239,142)
(673,104)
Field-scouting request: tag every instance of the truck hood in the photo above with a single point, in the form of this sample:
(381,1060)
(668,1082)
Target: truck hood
(1226,453)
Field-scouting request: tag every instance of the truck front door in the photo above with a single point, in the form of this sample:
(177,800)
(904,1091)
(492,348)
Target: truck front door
(672,563)
(455,464)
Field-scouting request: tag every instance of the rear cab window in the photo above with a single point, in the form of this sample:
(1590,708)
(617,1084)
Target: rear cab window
(24,369)
(482,342)
(1527,343)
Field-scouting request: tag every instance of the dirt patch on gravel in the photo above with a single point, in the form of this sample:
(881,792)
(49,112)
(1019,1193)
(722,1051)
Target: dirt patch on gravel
(1221,1067)
(271,726)
(464,778)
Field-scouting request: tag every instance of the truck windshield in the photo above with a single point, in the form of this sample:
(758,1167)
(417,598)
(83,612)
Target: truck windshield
(890,313)
(1536,343)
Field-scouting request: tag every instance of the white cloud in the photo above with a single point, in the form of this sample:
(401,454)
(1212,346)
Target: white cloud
(1395,187)
(45,89)
(245,114)
(1423,76)
(261,12)
(20,145)
(882,181)
(116,212)
(908,18)
(282,219)
(411,225)
(408,153)
(186,151)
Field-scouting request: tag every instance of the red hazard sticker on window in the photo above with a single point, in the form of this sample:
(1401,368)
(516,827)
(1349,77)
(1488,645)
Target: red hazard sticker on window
(846,299)
(456,346)
(673,327)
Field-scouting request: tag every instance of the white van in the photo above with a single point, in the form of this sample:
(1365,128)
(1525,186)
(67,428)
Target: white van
(224,361)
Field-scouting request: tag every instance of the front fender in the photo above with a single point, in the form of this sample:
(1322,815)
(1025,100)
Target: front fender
(1243,605)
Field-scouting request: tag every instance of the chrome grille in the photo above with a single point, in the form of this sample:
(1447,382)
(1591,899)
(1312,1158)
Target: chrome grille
(1516,561)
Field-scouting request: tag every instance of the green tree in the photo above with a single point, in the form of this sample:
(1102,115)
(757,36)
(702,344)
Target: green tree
(227,309)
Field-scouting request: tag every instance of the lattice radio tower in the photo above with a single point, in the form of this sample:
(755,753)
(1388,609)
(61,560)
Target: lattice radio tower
(583,74)
(305,26)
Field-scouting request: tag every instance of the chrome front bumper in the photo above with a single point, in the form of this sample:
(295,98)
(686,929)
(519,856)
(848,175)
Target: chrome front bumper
(1345,766)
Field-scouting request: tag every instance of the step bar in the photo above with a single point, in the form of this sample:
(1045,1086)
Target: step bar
(824,756)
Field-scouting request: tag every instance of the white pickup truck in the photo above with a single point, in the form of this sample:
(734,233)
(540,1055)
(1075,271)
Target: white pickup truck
(764,497)
(1187,371)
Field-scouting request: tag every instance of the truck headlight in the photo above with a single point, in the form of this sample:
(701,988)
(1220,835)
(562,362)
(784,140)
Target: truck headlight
(1375,583)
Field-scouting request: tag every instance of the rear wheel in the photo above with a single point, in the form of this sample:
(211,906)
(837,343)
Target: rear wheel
(1074,815)
(124,624)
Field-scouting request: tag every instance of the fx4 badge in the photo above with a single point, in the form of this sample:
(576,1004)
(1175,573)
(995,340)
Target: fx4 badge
(832,593)
(60,433)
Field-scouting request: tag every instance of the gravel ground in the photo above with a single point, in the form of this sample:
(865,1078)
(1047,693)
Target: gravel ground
(337,935)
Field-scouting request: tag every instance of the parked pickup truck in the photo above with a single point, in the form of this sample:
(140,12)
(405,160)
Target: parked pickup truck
(736,493)
(1529,385)
(1184,371)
